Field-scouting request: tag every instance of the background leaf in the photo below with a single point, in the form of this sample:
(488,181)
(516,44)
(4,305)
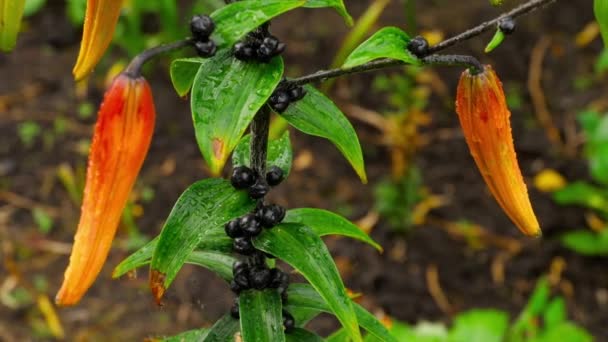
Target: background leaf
(389,42)
(226,95)
(337,4)
(324,222)
(234,21)
(480,326)
(317,115)
(301,248)
(205,204)
(280,152)
(600,8)
(261,317)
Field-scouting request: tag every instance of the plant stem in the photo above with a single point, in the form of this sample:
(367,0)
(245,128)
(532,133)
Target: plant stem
(259,141)
(134,68)
(523,9)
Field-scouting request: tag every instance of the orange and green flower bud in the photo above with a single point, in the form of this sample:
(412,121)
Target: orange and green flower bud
(485,121)
(11,12)
(122,136)
(99,24)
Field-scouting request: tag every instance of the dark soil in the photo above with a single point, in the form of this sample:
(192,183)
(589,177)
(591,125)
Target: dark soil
(36,85)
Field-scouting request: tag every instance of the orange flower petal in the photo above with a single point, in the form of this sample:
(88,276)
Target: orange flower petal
(99,24)
(485,121)
(120,143)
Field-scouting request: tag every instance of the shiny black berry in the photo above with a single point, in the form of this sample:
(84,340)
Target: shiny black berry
(418,46)
(278,279)
(205,48)
(242,280)
(258,190)
(279,100)
(259,278)
(296,93)
(243,245)
(244,51)
(234,287)
(250,225)
(233,229)
(201,27)
(234,310)
(271,215)
(507,25)
(243,177)
(288,321)
(239,266)
(274,176)
(270,42)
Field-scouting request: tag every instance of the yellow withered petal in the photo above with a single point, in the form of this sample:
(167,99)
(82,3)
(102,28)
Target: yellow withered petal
(485,120)
(99,25)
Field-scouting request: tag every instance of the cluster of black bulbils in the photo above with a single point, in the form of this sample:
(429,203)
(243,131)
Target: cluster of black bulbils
(506,25)
(253,273)
(202,26)
(418,46)
(284,95)
(261,49)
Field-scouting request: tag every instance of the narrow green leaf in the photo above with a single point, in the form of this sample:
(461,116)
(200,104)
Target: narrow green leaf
(226,95)
(139,258)
(183,71)
(11,12)
(339,335)
(223,330)
(304,296)
(304,250)
(317,115)
(205,204)
(261,317)
(585,242)
(338,5)
(600,7)
(584,194)
(389,42)
(497,39)
(188,336)
(325,222)
(280,152)
(479,326)
(555,314)
(235,20)
(566,331)
(302,335)
(219,263)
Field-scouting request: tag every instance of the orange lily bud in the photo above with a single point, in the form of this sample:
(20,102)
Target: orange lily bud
(484,117)
(99,24)
(122,136)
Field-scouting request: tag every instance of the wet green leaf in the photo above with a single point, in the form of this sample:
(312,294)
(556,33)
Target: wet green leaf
(261,317)
(325,222)
(280,152)
(188,336)
(304,296)
(338,5)
(304,250)
(219,263)
(317,115)
(302,335)
(183,71)
(389,42)
(226,95)
(223,330)
(234,21)
(205,204)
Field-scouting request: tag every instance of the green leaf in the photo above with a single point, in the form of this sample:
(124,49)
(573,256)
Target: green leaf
(555,314)
(585,242)
(11,12)
(304,296)
(324,222)
(139,258)
(226,95)
(219,263)
(32,7)
(261,317)
(317,115)
(304,250)
(498,38)
(223,330)
(337,4)
(581,193)
(187,336)
(234,21)
(480,326)
(600,8)
(302,335)
(534,308)
(205,204)
(183,71)
(340,335)
(566,332)
(389,42)
(280,152)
